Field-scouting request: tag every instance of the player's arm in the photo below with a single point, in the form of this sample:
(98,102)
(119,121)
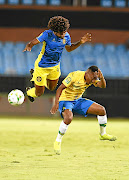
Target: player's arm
(84,39)
(31,44)
(58,94)
(102,82)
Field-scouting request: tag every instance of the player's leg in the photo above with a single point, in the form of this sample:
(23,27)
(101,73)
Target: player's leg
(31,72)
(53,77)
(65,109)
(51,84)
(34,92)
(85,106)
(39,78)
(100,111)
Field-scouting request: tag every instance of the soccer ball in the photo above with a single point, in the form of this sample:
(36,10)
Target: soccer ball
(16,97)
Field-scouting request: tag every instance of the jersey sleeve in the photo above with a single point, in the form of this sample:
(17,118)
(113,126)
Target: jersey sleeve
(68,80)
(68,40)
(42,37)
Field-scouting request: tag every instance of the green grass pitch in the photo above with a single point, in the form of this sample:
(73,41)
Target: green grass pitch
(26,150)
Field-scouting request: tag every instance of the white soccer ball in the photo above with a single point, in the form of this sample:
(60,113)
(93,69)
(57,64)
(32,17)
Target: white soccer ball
(16,97)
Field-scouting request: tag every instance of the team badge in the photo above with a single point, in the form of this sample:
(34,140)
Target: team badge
(64,41)
(54,40)
(39,79)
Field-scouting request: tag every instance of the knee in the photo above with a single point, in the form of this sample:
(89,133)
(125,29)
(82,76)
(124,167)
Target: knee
(39,93)
(102,111)
(68,119)
(52,88)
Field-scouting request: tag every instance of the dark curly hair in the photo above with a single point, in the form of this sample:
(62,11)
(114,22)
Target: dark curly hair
(58,24)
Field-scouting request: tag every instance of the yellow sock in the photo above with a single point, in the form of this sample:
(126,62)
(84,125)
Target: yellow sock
(31,92)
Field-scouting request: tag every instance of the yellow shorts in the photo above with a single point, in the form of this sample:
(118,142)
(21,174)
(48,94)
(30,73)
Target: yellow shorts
(40,74)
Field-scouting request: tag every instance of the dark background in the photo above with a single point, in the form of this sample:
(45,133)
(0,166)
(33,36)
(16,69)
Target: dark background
(78,19)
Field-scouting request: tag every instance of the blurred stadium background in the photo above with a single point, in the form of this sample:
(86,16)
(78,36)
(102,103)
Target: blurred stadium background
(107,20)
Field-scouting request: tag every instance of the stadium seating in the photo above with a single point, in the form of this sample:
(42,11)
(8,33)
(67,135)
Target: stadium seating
(2,1)
(106,3)
(55,2)
(112,59)
(66,63)
(13,2)
(1,64)
(9,62)
(27,2)
(41,2)
(120,3)
(1,45)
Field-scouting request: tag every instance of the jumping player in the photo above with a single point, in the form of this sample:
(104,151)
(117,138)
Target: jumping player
(47,65)
(69,100)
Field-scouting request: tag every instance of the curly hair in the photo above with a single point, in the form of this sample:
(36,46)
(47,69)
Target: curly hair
(58,24)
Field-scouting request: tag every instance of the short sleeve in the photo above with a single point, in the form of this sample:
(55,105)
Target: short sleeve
(68,80)
(68,40)
(42,37)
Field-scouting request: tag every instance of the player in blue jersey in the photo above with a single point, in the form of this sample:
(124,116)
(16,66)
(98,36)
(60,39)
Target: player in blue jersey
(47,65)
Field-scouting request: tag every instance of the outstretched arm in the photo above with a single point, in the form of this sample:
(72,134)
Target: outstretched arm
(58,93)
(85,38)
(102,82)
(31,44)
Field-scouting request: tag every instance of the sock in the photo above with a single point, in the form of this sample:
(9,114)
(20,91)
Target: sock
(62,130)
(102,122)
(102,129)
(31,92)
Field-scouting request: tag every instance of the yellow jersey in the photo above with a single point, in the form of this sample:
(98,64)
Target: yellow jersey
(76,86)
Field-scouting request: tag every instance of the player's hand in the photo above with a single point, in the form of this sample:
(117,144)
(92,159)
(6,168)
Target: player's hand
(100,74)
(27,48)
(86,38)
(54,109)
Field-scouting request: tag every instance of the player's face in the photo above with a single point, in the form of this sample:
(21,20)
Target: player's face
(60,35)
(91,77)
(94,76)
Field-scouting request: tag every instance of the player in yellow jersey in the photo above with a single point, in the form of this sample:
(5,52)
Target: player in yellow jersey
(69,100)
(47,65)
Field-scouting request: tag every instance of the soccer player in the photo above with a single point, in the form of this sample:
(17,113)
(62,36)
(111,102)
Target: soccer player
(69,100)
(47,65)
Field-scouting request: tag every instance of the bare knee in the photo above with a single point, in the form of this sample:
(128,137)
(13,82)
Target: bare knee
(68,116)
(102,111)
(39,92)
(52,88)
(52,84)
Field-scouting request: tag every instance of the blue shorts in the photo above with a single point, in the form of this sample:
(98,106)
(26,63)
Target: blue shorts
(80,106)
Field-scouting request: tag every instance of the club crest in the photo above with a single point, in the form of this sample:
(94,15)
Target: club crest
(39,79)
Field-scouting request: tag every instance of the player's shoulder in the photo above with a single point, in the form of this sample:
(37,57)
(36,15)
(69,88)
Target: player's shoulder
(48,32)
(67,35)
(71,74)
(78,72)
